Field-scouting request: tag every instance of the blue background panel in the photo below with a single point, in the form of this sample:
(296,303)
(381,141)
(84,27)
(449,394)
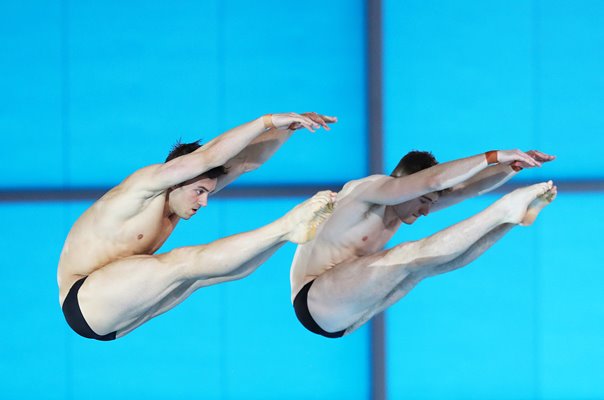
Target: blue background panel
(571,310)
(474,76)
(302,59)
(236,340)
(267,348)
(34,348)
(457,77)
(142,74)
(31,119)
(114,85)
(522,321)
(471,330)
(569,43)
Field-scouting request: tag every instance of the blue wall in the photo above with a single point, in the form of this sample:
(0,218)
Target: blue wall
(96,90)
(120,83)
(462,77)
(93,90)
(523,321)
(234,341)
(465,76)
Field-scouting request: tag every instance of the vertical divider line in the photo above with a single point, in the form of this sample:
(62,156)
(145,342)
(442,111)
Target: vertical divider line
(375,166)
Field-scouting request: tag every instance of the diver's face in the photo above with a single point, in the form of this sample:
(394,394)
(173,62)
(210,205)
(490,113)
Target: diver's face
(411,210)
(189,197)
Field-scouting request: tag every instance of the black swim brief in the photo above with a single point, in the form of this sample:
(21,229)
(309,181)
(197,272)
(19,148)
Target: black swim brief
(303,314)
(74,317)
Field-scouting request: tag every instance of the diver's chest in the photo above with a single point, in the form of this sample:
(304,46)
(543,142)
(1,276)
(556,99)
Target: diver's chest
(370,235)
(146,233)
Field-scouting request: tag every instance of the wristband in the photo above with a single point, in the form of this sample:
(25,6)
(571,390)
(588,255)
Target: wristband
(491,157)
(268,121)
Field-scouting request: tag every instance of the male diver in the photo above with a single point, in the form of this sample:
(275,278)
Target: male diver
(343,277)
(110,279)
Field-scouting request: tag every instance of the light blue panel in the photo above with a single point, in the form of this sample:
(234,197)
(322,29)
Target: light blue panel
(206,346)
(176,355)
(268,353)
(279,58)
(570,42)
(471,333)
(571,349)
(33,362)
(30,104)
(142,74)
(458,77)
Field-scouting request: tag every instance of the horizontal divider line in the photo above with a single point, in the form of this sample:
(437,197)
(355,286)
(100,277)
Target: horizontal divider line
(302,190)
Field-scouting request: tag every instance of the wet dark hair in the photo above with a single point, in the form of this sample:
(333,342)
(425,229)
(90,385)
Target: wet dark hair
(416,161)
(413,162)
(180,149)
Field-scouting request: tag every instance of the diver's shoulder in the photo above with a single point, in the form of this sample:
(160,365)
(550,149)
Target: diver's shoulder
(351,185)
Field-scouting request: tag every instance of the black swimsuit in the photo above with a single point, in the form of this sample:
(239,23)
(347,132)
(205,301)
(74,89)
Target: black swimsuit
(74,317)
(303,314)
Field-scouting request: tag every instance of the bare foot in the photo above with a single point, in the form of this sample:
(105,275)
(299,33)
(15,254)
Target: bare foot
(537,205)
(517,202)
(305,218)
